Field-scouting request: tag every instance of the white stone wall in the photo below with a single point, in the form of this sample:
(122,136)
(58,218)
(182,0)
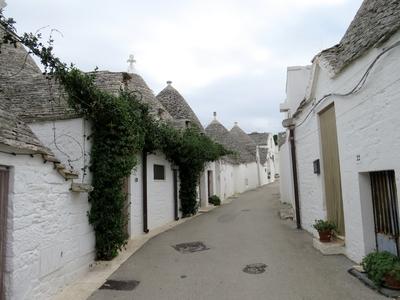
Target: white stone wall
(225,181)
(50,242)
(68,141)
(367,127)
(160,195)
(245,177)
(286,174)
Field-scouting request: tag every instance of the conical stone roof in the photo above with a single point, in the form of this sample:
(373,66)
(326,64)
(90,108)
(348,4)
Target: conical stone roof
(244,141)
(218,133)
(177,106)
(261,139)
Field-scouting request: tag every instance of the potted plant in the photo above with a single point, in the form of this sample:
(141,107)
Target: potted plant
(383,268)
(324,229)
(214,200)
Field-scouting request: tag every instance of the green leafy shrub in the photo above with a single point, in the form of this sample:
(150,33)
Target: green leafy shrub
(214,200)
(379,264)
(322,225)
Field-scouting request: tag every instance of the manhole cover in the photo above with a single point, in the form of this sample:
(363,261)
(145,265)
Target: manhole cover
(255,268)
(190,247)
(120,285)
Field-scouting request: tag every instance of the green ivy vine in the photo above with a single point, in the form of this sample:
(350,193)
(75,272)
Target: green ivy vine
(122,127)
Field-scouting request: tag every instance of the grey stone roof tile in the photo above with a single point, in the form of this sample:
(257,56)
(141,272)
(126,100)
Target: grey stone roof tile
(218,133)
(245,142)
(16,134)
(177,106)
(375,22)
(261,138)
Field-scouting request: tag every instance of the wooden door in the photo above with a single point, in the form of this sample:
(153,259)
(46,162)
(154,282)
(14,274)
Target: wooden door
(4,183)
(330,159)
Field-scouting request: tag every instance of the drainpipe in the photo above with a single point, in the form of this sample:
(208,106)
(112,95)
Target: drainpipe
(175,179)
(144,179)
(295,182)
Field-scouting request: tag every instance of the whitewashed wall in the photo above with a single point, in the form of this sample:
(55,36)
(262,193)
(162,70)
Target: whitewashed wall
(160,195)
(68,141)
(225,183)
(367,126)
(245,177)
(50,242)
(286,174)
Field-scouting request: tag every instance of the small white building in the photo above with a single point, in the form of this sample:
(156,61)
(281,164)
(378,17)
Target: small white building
(267,156)
(184,117)
(342,119)
(238,172)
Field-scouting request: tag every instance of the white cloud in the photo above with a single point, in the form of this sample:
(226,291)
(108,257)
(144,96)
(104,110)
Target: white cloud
(196,44)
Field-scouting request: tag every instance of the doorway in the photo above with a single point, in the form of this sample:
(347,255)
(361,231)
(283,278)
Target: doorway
(384,203)
(331,164)
(210,183)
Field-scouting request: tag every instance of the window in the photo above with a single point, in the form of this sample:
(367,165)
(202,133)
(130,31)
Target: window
(159,172)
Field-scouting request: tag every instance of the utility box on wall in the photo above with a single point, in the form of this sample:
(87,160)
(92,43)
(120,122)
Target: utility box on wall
(317,168)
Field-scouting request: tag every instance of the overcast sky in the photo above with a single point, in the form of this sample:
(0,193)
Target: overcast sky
(228,56)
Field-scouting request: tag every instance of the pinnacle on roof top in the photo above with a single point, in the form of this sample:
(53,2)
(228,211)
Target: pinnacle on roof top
(131,61)
(169,82)
(215,115)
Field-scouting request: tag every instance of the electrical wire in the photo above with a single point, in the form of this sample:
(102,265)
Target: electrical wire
(356,88)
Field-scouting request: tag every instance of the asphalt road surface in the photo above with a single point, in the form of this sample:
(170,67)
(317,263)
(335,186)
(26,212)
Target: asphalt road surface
(245,231)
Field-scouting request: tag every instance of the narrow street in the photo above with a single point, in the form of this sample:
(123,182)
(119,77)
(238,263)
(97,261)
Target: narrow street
(246,231)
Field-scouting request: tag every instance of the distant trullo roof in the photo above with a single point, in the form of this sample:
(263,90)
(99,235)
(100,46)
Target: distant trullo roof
(375,22)
(218,133)
(244,141)
(261,138)
(177,106)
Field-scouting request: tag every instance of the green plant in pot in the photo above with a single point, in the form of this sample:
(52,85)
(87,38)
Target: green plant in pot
(214,200)
(383,268)
(325,229)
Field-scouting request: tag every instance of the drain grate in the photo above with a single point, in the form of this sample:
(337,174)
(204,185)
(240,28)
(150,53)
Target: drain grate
(120,285)
(190,247)
(255,268)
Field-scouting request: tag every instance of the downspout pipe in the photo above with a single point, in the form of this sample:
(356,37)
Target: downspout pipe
(144,179)
(175,183)
(295,179)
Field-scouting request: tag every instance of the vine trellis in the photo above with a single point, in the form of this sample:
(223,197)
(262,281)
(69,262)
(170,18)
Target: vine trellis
(122,127)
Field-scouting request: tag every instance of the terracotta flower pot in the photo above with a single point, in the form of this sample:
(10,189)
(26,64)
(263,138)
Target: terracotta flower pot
(325,236)
(391,282)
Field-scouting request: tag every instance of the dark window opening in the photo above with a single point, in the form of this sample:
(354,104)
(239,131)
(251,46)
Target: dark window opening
(159,172)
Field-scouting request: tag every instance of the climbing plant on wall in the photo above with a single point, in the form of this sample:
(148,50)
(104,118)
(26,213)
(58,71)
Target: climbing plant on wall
(121,128)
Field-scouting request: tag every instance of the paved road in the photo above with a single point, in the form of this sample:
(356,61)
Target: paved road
(245,231)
